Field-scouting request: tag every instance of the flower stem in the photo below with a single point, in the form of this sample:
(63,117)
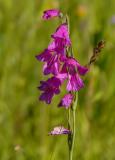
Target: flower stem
(71,138)
(71,120)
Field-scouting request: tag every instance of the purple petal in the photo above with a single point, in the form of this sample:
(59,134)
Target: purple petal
(48,14)
(64,69)
(45,56)
(69,66)
(54,81)
(46,69)
(66,101)
(49,88)
(63,33)
(62,76)
(59,130)
(54,69)
(52,46)
(52,66)
(43,86)
(73,64)
(82,69)
(71,61)
(47,97)
(62,58)
(58,46)
(75,83)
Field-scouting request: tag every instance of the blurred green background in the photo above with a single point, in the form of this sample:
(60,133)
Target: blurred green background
(24,121)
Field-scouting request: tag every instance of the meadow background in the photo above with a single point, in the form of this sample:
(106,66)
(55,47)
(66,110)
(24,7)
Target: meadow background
(24,121)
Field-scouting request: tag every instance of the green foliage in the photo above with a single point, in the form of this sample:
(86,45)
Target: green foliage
(24,121)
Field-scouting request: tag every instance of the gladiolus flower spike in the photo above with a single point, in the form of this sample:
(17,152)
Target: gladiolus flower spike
(58,63)
(61,65)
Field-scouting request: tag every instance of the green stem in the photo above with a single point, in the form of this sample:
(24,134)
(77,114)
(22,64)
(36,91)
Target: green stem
(69,127)
(71,124)
(72,138)
(69,118)
(67,21)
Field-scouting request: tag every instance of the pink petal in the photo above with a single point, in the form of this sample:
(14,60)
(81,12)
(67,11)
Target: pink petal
(59,130)
(44,56)
(48,14)
(66,101)
(82,69)
(75,83)
(63,33)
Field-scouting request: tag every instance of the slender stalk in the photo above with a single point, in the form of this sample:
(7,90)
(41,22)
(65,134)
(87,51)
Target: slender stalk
(73,127)
(71,120)
(67,21)
(69,127)
(73,137)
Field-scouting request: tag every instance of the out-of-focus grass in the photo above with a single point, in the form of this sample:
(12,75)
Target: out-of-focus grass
(24,121)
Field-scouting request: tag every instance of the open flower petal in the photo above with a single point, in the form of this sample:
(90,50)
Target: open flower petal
(44,56)
(46,96)
(51,69)
(82,69)
(58,46)
(48,14)
(66,101)
(62,76)
(49,88)
(63,34)
(59,130)
(60,64)
(75,83)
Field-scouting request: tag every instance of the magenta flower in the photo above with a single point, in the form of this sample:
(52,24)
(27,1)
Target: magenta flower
(52,66)
(56,52)
(66,101)
(72,68)
(44,56)
(48,14)
(62,76)
(58,45)
(51,60)
(75,83)
(53,56)
(59,130)
(72,65)
(49,88)
(62,34)
(82,70)
(60,65)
